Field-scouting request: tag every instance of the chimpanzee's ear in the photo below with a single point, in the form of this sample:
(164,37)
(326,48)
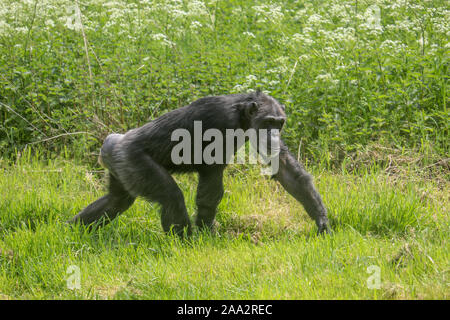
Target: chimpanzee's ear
(250,109)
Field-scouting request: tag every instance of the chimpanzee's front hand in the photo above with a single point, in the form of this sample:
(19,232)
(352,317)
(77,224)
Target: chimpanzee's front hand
(323,227)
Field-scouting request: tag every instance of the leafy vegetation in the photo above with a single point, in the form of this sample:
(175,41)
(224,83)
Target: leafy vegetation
(352,73)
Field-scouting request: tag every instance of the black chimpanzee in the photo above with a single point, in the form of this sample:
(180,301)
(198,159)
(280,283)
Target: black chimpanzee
(140,163)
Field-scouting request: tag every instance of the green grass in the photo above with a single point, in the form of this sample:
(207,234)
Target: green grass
(351,73)
(265,246)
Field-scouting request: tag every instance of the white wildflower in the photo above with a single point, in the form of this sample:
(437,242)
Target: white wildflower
(50,23)
(195,25)
(273,83)
(248,34)
(274,70)
(239,88)
(326,78)
(340,34)
(331,53)
(176,13)
(341,67)
(257,47)
(338,10)
(237,11)
(303,57)
(300,14)
(251,78)
(158,36)
(304,39)
(21,30)
(307,30)
(392,45)
(4,28)
(162,38)
(315,19)
(268,12)
(197,8)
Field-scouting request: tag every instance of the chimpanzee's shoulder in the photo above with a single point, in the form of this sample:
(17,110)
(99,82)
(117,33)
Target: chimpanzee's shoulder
(223,101)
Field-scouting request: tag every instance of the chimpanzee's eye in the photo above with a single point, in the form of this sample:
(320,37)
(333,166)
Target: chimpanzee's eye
(270,123)
(274,123)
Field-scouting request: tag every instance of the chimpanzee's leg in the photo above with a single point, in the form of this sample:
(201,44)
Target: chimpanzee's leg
(106,208)
(209,194)
(142,176)
(294,178)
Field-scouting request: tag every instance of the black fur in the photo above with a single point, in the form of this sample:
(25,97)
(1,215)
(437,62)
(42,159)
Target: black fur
(140,164)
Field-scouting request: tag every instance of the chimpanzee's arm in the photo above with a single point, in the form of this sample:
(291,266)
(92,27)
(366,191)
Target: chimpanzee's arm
(298,182)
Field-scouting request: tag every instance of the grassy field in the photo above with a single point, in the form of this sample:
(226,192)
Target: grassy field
(265,246)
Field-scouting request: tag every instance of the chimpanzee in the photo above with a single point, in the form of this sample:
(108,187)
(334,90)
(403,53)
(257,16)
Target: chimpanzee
(140,163)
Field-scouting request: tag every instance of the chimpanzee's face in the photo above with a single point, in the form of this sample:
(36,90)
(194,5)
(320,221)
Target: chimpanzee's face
(270,116)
